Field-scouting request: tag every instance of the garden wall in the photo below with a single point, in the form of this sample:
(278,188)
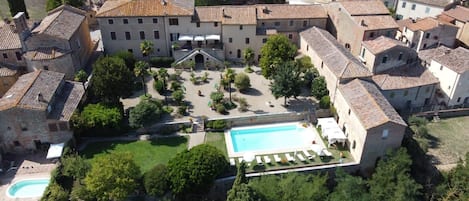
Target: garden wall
(266,118)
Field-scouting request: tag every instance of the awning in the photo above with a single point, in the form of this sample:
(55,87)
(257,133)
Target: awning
(55,150)
(185,38)
(199,38)
(212,37)
(331,130)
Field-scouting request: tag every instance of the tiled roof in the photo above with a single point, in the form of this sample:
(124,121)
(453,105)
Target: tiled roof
(373,7)
(381,44)
(286,11)
(208,13)
(439,3)
(428,54)
(370,106)
(8,39)
(61,22)
(67,101)
(124,8)
(239,15)
(404,77)
(459,13)
(456,59)
(424,24)
(25,91)
(376,22)
(7,72)
(45,53)
(339,60)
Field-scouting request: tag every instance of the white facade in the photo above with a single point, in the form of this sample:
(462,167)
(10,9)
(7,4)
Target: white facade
(455,86)
(409,9)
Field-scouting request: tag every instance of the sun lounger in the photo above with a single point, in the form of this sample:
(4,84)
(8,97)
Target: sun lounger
(308,155)
(300,156)
(289,157)
(240,159)
(267,159)
(259,160)
(232,162)
(277,158)
(327,153)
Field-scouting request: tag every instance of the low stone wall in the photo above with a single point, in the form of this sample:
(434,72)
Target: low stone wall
(445,113)
(265,118)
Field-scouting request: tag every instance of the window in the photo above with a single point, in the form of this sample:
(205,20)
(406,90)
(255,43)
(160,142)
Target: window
(406,92)
(158,50)
(322,64)
(215,24)
(197,24)
(307,47)
(264,40)
(77,41)
(173,21)
(231,52)
(449,87)
(113,35)
(459,99)
(262,24)
(385,134)
(127,35)
(130,50)
(354,144)
(291,22)
(413,6)
(16,143)
(441,67)
(247,40)
(140,20)
(424,45)
(125,21)
(363,53)
(142,35)
(63,126)
(349,111)
(388,33)
(5,55)
(290,36)
(305,23)
(427,90)
(230,40)
(23,127)
(347,46)
(385,58)
(238,53)
(18,56)
(277,23)
(400,56)
(427,35)
(427,10)
(45,67)
(403,4)
(110,21)
(240,27)
(156,34)
(372,34)
(155,20)
(52,127)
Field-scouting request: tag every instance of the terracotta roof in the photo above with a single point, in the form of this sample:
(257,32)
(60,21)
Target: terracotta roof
(365,7)
(424,24)
(9,39)
(381,44)
(376,22)
(459,13)
(239,15)
(45,53)
(67,101)
(404,77)
(428,54)
(286,11)
(25,91)
(61,22)
(370,106)
(208,13)
(125,8)
(439,3)
(403,23)
(339,60)
(455,59)
(7,72)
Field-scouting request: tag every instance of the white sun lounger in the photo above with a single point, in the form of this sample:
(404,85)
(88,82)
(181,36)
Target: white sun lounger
(300,156)
(259,160)
(277,158)
(326,152)
(307,154)
(240,159)
(267,159)
(289,157)
(232,162)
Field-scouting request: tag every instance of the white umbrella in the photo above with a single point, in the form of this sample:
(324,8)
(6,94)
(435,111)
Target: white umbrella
(248,156)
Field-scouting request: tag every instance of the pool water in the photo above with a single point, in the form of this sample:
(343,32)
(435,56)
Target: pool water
(28,188)
(285,136)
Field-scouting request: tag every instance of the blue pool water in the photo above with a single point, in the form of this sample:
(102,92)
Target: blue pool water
(287,136)
(28,188)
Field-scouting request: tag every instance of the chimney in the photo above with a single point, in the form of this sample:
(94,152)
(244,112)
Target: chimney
(265,10)
(447,52)
(163,2)
(20,22)
(223,12)
(39,97)
(363,23)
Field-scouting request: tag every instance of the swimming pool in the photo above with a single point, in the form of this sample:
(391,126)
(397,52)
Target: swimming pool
(28,188)
(269,138)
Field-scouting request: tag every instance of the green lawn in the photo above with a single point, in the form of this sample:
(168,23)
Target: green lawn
(450,136)
(217,140)
(36,9)
(145,153)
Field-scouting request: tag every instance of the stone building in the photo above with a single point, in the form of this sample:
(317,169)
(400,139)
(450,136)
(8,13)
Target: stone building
(422,8)
(458,16)
(36,110)
(8,77)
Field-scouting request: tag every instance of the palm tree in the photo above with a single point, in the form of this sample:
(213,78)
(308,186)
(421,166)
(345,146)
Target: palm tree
(140,70)
(146,47)
(163,74)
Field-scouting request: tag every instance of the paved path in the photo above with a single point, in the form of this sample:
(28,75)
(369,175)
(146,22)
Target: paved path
(196,139)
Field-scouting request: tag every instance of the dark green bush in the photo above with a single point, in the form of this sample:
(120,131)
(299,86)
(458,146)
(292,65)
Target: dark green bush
(55,192)
(325,102)
(161,61)
(156,181)
(216,124)
(220,107)
(159,86)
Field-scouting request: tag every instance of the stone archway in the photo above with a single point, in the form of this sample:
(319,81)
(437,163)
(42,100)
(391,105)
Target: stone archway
(199,59)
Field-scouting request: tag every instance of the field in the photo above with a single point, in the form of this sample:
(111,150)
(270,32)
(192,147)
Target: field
(450,137)
(146,154)
(36,9)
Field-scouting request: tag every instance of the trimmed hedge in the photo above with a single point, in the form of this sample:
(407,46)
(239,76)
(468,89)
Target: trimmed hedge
(216,124)
(164,62)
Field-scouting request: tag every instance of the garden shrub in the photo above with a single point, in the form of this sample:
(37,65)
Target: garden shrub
(216,124)
(156,181)
(220,107)
(55,192)
(178,96)
(161,61)
(159,86)
(242,81)
(182,110)
(216,97)
(325,102)
(243,105)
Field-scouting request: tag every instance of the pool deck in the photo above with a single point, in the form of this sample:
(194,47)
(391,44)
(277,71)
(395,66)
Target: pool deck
(30,167)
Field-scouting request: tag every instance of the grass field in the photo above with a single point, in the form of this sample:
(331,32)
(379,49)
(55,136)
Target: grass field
(146,154)
(36,9)
(451,137)
(217,140)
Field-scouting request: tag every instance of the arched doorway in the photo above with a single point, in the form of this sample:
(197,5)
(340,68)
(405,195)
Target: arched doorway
(199,59)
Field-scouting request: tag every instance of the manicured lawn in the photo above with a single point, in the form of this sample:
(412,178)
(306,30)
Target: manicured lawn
(145,153)
(451,137)
(36,9)
(217,140)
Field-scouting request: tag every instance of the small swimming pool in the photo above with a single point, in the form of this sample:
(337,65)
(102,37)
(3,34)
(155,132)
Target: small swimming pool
(28,188)
(270,138)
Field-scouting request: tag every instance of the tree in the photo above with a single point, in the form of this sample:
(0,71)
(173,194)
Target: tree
(17,6)
(319,88)
(286,82)
(81,76)
(349,187)
(112,177)
(74,3)
(277,50)
(240,190)
(194,170)
(141,70)
(55,192)
(51,4)
(248,56)
(455,185)
(146,47)
(128,58)
(178,96)
(99,115)
(163,74)
(74,166)
(145,112)
(156,181)
(111,71)
(304,63)
(392,181)
(242,81)
(216,97)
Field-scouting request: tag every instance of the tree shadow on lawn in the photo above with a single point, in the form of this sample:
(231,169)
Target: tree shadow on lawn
(169,141)
(252,92)
(300,105)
